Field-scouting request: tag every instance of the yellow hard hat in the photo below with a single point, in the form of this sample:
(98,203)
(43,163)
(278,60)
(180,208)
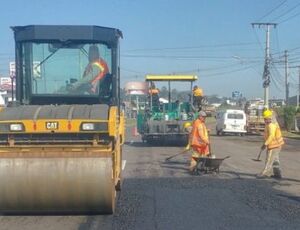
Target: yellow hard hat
(267,113)
(187,124)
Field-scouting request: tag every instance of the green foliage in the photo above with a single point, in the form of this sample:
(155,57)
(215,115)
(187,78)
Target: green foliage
(279,111)
(289,113)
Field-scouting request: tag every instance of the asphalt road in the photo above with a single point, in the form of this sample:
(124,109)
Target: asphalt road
(162,195)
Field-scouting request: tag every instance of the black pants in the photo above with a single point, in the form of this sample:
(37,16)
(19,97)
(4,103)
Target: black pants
(155,99)
(197,102)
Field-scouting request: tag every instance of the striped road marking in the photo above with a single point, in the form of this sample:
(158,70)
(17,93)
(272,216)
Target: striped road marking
(123,164)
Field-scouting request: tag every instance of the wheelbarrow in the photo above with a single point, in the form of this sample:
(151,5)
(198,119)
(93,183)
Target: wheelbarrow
(207,164)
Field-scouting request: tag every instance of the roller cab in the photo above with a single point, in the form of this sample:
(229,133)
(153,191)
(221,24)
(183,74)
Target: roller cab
(61,139)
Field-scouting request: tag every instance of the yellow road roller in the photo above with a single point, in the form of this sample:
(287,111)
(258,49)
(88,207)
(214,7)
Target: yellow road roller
(61,137)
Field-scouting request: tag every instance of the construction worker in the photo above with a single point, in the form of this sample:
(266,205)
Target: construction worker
(95,71)
(188,127)
(199,140)
(153,93)
(273,143)
(197,97)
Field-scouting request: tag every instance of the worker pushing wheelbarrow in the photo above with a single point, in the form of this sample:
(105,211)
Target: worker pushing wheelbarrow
(199,140)
(202,159)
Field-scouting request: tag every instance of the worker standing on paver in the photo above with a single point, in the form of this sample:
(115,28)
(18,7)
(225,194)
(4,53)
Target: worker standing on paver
(273,143)
(197,97)
(199,140)
(153,93)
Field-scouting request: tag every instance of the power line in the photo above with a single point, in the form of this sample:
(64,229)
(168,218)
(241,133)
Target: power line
(272,10)
(286,12)
(184,57)
(203,70)
(275,82)
(259,42)
(199,69)
(131,71)
(289,18)
(227,72)
(289,50)
(280,77)
(277,39)
(195,47)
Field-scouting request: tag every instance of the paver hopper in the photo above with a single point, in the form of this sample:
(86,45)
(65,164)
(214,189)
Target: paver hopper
(60,145)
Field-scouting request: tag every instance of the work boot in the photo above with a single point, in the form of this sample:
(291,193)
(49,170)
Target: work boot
(277,173)
(261,176)
(193,170)
(276,170)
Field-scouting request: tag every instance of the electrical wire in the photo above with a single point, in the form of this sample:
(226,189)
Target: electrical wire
(227,72)
(289,18)
(275,83)
(272,10)
(196,47)
(286,12)
(280,77)
(277,40)
(203,70)
(131,71)
(184,57)
(259,42)
(289,50)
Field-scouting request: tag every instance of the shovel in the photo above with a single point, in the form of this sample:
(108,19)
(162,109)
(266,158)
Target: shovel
(184,151)
(258,157)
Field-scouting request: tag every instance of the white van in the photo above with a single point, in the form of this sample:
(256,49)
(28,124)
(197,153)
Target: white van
(231,121)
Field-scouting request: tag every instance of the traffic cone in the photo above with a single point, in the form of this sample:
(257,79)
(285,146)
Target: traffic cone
(135,131)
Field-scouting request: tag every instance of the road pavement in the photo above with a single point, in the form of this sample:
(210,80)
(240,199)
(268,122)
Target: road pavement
(159,194)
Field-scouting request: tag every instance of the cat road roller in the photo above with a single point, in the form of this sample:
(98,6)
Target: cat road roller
(61,138)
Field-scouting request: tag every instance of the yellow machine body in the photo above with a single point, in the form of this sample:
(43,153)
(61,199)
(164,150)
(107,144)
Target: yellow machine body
(40,175)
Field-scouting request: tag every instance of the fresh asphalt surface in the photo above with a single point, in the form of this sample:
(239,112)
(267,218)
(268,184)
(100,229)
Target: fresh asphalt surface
(162,195)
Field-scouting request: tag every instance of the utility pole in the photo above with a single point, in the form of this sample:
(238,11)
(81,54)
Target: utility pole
(286,65)
(266,74)
(297,107)
(298,94)
(298,98)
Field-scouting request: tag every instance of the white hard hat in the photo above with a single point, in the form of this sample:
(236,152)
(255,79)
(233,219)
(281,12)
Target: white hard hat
(202,114)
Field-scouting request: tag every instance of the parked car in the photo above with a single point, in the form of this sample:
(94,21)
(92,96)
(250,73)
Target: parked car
(231,121)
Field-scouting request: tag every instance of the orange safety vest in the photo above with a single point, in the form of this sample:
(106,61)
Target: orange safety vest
(199,138)
(198,92)
(101,64)
(273,136)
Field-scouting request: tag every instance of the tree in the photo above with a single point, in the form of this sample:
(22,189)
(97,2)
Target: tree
(289,113)
(164,92)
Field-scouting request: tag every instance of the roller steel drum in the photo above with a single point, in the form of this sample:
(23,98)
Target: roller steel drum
(78,185)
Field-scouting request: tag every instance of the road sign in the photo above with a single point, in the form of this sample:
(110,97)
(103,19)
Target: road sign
(236,94)
(12,69)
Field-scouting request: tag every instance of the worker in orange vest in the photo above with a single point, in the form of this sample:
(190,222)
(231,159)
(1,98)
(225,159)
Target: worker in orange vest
(95,72)
(197,97)
(273,143)
(153,93)
(199,139)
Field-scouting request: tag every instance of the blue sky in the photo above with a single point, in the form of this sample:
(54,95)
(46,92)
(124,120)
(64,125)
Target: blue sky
(211,38)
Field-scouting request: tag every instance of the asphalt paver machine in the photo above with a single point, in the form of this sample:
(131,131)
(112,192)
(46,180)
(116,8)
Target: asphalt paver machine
(165,122)
(60,145)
